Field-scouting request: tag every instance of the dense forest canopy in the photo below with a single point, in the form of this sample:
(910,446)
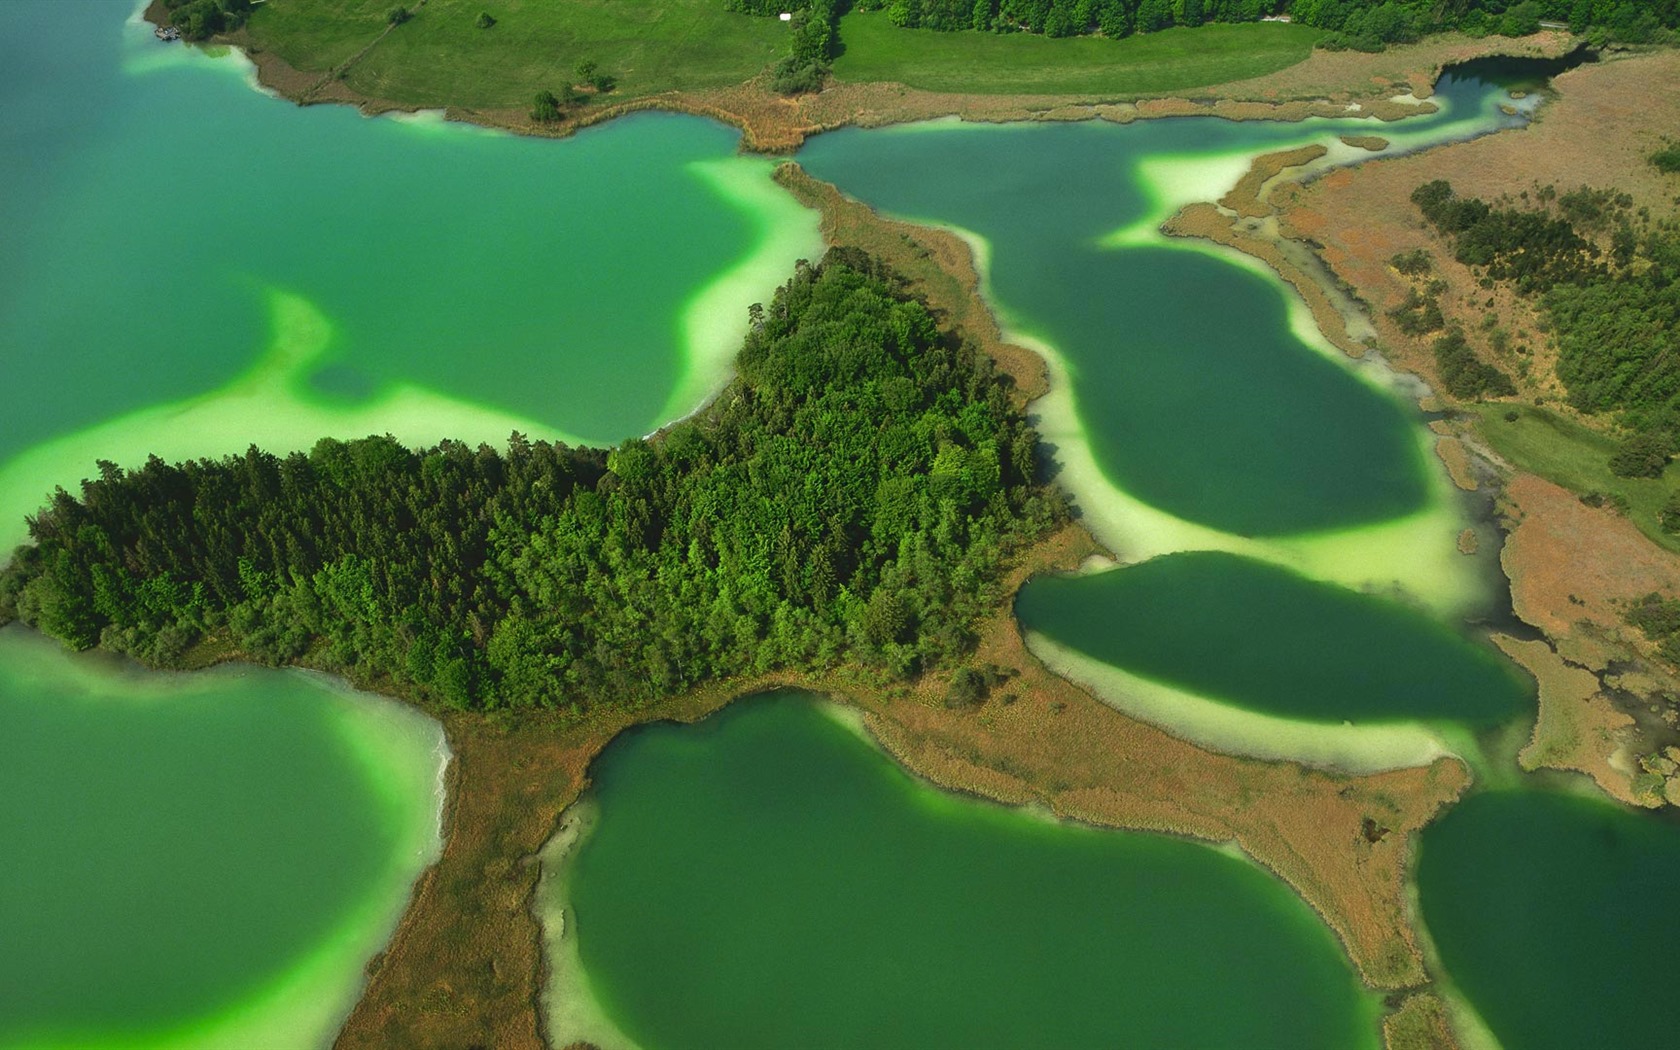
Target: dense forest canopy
(1607,278)
(855,495)
(1363,24)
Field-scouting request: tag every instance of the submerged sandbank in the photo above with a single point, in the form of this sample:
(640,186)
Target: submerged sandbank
(1221,727)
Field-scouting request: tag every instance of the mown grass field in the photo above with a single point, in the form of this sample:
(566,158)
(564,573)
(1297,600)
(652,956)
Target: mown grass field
(1021,63)
(440,57)
(1568,454)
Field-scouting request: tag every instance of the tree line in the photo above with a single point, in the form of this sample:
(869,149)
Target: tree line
(1607,278)
(855,495)
(1366,25)
(202,19)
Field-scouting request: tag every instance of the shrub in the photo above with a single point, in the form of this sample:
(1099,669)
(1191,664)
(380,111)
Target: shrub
(1669,516)
(485,20)
(1641,456)
(968,689)
(1656,617)
(397,16)
(545,109)
(1465,375)
(1413,263)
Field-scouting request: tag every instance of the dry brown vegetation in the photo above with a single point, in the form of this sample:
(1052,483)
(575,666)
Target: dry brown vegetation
(1245,196)
(1574,569)
(1578,728)
(1599,131)
(465,967)
(1421,1023)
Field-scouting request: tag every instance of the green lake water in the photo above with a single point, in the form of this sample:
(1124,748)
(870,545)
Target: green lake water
(154,203)
(191,266)
(198,860)
(1193,392)
(1264,638)
(768,879)
(1556,916)
(209,860)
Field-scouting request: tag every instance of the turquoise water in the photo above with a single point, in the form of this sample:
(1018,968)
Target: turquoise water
(768,879)
(192,266)
(1265,639)
(153,200)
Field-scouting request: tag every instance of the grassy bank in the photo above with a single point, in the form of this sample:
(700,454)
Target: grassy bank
(1566,453)
(1021,63)
(440,56)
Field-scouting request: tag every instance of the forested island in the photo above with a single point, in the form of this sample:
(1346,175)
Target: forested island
(855,495)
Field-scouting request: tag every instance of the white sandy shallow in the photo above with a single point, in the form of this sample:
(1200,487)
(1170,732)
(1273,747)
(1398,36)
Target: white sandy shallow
(571,1011)
(715,320)
(262,407)
(1222,727)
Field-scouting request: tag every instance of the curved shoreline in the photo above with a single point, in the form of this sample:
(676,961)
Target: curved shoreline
(771,123)
(925,740)
(1058,749)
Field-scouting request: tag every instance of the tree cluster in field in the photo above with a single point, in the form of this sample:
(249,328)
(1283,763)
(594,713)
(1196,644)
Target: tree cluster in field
(548,108)
(1608,281)
(1365,25)
(855,495)
(1057,18)
(202,19)
(1660,620)
(815,29)
(1372,25)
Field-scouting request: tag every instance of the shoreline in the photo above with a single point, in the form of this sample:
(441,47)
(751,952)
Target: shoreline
(1572,569)
(931,743)
(1135,776)
(775,124)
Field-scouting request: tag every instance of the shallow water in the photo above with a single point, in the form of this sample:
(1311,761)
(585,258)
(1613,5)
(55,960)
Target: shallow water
(1193,391)
(768,878)
(192,267)
(154,202)
(1267,640)
(203,859)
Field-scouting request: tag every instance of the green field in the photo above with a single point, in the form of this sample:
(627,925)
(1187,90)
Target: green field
(440,57)
(1021,63)
(1567,453)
